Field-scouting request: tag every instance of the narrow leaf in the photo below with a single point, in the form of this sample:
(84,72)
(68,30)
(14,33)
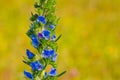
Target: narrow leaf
(61,73)
(58,38)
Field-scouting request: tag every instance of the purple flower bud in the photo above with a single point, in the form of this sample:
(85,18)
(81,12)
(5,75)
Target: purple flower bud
(40,35)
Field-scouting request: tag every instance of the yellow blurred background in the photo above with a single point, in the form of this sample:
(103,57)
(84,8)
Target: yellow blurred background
(89,48)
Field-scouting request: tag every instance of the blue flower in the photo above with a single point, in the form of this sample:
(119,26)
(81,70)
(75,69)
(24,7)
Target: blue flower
(29,54)
(36,65)
(28,75)
(41,19)
(53,37)
(52,72)
(47,53)
(46,34)
(54,57)
(35,41)
(52,27)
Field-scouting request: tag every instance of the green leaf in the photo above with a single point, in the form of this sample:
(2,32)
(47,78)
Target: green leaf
(34,17)
(53,64)
(58,37)
(29,32)
(40,11)
(53,45)
(61,73)
(28,63)
(36,5)
(42,1)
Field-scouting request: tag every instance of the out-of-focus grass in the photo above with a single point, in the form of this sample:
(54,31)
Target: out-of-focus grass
(88,49)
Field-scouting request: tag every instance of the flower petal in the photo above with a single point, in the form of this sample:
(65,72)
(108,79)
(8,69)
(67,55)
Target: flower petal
(28,75)
(29,54)
(41,19)
(52,72)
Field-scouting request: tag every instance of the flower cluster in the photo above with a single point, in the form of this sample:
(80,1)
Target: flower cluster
(43,39)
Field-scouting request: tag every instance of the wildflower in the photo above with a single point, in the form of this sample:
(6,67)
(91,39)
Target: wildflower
(36,65)
(46,34)
(52,27)
(35,41)
(40,35)
(44,42)
(29,54)
(47,53)
(41,19)
(28,75)
(52,72)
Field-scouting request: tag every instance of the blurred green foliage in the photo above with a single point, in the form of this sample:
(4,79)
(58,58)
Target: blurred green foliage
(88,48)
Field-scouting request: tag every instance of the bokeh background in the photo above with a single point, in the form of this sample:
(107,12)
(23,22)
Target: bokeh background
(89,48)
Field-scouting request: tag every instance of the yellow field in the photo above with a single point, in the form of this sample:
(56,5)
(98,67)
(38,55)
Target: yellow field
(89,48)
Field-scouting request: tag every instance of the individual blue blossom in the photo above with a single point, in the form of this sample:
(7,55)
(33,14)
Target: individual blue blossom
(28,75)
(36,66)
(54,57)
(40,35)
(35,41)
(47,53)
(29,54)
(41,19)
(52,27)
(46,34)
(53,37)
(52,72)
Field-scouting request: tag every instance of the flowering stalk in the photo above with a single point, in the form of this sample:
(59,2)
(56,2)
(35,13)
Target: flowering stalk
(43,39)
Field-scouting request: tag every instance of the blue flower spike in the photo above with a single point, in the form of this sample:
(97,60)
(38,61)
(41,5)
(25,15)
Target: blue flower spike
(52,72)
(41,19)
(29,54)
(28,75)
(36,66)
(46,34)
(43,39)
